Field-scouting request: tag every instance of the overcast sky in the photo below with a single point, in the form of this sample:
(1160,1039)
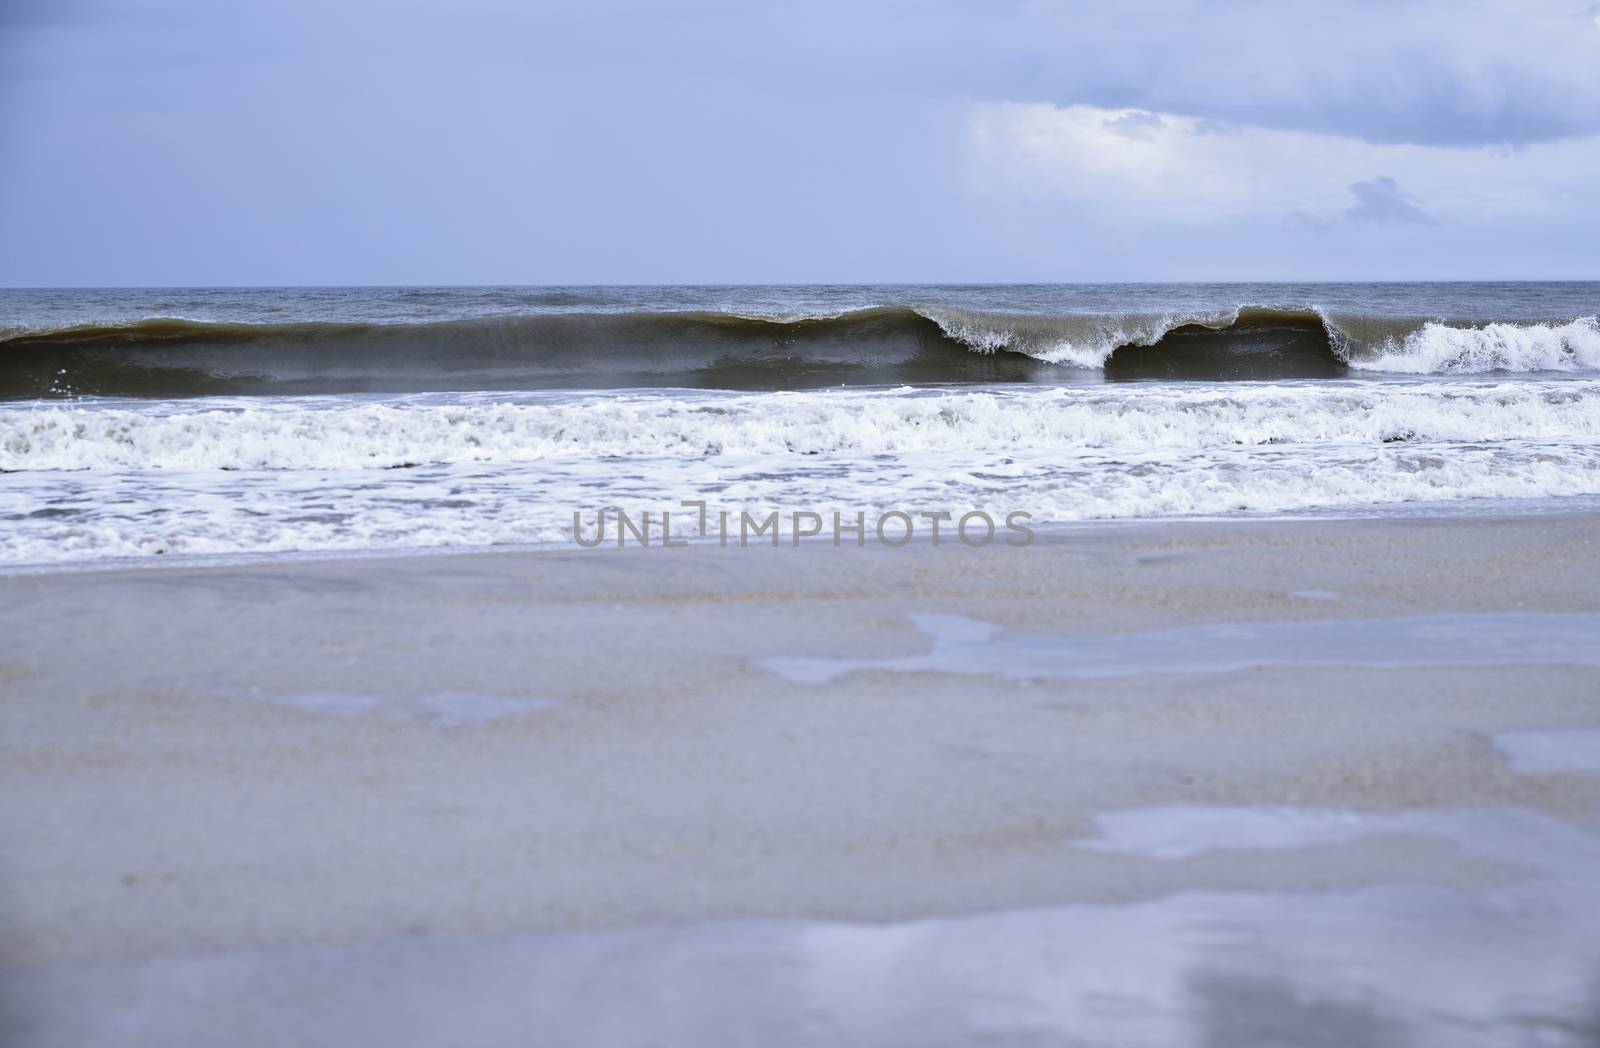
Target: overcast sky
(624,141)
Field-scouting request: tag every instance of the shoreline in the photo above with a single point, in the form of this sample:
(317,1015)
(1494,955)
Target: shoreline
(1471,509)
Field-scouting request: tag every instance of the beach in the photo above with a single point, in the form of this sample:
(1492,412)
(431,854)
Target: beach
(866,525)
(1108,787)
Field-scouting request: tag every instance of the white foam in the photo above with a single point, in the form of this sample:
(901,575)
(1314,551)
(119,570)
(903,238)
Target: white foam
(1432,348)
(228,476)
(58,516)
(326,433)
(1442,349)
(1073,341)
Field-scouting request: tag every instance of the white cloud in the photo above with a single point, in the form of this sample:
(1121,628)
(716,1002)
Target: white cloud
(1178,168)
(1070,197)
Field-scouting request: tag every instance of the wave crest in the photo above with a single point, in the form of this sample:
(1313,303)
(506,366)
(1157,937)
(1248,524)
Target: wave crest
(1439,349)
(879,346)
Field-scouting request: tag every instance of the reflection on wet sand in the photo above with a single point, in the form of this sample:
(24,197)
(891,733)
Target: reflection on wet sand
(1234,1011)
(1387,965)
(963,645)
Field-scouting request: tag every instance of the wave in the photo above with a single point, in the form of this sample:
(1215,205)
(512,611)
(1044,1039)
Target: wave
(879,346)
(1440,349)
(1051,423)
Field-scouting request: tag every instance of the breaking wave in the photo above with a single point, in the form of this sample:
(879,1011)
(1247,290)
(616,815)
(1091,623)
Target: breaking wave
(880,346)
(1439,349)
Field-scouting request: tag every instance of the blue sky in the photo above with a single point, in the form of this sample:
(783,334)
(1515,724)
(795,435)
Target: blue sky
(619,141)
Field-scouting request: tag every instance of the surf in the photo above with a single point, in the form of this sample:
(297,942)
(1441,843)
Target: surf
(889,345)
(1052,423)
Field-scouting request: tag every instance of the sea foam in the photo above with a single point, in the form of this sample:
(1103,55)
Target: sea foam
(1440,349)
(322,433)
(248,475)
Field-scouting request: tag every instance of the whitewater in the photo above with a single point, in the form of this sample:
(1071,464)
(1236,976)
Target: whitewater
(118,478)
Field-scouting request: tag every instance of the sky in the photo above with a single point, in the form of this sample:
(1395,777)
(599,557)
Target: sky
(187,142)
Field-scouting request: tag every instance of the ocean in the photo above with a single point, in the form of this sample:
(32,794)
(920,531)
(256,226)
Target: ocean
(145,422)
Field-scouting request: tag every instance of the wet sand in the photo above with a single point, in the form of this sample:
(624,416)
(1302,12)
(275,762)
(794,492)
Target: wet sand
(1114,787)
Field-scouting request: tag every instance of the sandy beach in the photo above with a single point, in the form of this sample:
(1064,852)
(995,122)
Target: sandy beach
(1111,784)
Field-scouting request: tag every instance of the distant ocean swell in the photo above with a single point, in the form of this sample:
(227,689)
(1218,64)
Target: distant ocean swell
(888,345)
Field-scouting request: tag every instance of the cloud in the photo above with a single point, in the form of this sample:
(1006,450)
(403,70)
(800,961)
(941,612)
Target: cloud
(1182,202)
(736,140)
(1442,72)
(1381,201)
(1179,167)
(1436,72)
(1135,124)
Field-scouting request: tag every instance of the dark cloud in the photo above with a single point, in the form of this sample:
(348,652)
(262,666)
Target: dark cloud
(1382,202)
(1438,72)
(1432,72)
